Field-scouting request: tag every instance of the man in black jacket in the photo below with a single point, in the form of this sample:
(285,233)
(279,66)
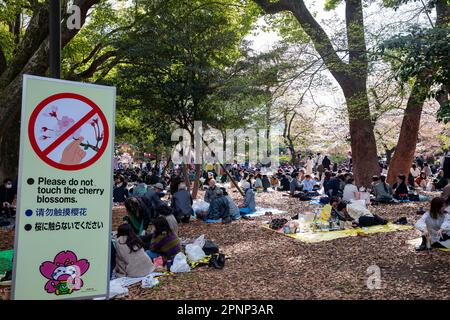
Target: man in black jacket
(182,204)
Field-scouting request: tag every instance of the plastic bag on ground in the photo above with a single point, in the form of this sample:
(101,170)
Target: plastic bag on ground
(180,264)
(149,282)
(200,205)
(194,252)
(200,241)
(116,289)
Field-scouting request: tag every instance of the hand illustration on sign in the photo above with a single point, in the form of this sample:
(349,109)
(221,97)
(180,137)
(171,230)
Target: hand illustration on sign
(73,154)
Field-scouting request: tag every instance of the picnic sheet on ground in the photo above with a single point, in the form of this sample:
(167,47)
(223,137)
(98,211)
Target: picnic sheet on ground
(416,242)
(6,258)
(262,211)
(259,212)
(312,237)
(118,286)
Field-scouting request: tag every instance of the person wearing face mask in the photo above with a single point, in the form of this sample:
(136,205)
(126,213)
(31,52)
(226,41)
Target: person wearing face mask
(7,194)
(120,191)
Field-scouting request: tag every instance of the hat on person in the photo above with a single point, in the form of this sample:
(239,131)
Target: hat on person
(159,186)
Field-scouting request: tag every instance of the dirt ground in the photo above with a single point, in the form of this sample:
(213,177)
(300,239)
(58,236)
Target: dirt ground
(264,265)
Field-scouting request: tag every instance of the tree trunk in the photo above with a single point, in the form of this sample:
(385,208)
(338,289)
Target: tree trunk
(198,174)
(30,57)
(363,143)
(351,76)
(9,151)
(409,132)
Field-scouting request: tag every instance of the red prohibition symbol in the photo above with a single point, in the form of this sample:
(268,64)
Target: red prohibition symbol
(68,131)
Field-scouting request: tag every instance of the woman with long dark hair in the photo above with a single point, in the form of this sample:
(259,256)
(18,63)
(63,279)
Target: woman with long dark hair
(164,242)
(400,188)
(382,190)
(435,226)
(131,259)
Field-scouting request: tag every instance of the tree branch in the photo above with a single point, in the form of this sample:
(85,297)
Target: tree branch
(274,7)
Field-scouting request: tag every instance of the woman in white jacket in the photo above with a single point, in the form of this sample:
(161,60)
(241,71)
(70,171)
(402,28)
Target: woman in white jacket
(435,226)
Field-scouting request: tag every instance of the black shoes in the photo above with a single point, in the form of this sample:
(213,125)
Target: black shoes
(401,221)
(217,261)
(227,220)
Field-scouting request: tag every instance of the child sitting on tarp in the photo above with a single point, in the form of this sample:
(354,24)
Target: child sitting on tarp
(360,214)
(435,226)
(131,259)
(164,242)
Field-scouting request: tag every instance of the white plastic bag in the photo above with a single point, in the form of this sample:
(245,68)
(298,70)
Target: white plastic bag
(194,252)
(116,289)
(200,241)
(149,282)
(200,205)
(180,264)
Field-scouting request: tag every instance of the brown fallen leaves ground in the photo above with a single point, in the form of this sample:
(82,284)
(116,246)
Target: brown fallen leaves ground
(266,265)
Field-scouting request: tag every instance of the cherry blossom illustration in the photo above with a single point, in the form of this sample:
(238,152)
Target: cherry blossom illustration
(75,151)
(64,273)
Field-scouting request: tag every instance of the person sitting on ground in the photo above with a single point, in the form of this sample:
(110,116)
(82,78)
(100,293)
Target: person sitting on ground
(164,242)
(427,170)
(441,182)
(274,182)
(295,185)
(7,195)
(435,225)
(265,182)
(218,209)
(414,171)
(421,181)
(308,183)
(382,190)
(285,184)
(167,212)
(234,209)
(182,204)
(210,193)
(331,184)
(258,183)
(400,188)
(139,189)
(175,181)
(362,217)
(131,259)
(137,217)
(350,191)
(249,205)
(153,195)
(120,191)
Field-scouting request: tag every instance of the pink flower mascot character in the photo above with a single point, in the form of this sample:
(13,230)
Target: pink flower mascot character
(64,273)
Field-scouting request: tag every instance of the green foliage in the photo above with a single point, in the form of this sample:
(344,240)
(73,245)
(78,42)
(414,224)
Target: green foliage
(287,27)
(185,63)
(422,54)
(332,4)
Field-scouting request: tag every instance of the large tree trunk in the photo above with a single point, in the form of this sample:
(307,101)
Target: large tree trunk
(363,143)
(351,76)
(409,132)
(198,174)
(30,57)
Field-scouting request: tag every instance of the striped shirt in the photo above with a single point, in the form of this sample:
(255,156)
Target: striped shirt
(167,245)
